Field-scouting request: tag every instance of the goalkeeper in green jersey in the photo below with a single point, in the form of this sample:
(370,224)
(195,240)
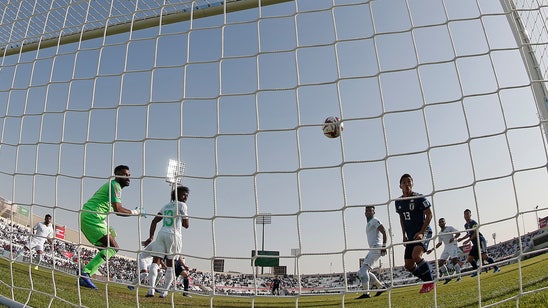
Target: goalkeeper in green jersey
(93,221)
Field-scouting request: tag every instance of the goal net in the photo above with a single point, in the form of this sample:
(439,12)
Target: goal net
(452,92)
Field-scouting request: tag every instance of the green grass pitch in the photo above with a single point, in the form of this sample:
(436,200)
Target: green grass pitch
(57,289)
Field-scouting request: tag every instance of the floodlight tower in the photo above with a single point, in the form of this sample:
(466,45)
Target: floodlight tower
(175,171)
(263,219)
(174,174)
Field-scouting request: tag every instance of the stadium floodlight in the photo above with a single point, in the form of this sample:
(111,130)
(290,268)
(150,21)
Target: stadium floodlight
(175,171)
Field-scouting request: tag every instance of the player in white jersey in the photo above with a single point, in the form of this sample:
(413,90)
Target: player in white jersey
(448,235)
(169,240)
(376,238)
(41,232)
(145,260)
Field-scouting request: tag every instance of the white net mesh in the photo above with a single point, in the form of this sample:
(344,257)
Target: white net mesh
(452,92)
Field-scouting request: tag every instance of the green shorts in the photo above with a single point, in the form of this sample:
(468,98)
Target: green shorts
(94,229)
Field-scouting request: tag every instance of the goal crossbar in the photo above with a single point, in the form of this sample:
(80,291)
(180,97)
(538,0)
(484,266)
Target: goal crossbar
(165,18)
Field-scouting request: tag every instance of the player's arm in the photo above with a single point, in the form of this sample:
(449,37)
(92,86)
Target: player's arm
(427,218)
(152,229)
(186,222)
(383,232)
(122,211)
(455,237)
(432,249)
(183,263)
(466,236)
(402,227)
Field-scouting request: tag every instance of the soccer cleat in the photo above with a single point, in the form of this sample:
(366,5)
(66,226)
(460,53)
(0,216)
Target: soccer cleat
(379,293)
(187,295)
(364,295)
(163,295)
(447,280)
(36,267)
(459,279)
(496,270)
(150,293)
(474,274)
(131,288)
(85,281)
(427,287)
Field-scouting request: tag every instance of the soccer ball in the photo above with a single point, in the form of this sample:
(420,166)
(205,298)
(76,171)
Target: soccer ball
(332,127)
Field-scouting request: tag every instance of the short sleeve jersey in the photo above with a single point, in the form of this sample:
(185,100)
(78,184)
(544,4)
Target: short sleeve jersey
(100,202)
(42,231)
(473,225)
(447,234)
(412,213)
(373,235)
(174,213)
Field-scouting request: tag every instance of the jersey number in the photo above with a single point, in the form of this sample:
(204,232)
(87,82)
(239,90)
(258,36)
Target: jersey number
(406,215)
(168,218)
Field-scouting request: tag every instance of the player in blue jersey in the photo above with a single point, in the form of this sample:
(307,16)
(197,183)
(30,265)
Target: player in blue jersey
(479,244)
(415,216)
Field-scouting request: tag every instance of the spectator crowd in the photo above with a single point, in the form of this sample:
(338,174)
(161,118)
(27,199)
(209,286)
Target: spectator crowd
(68,257)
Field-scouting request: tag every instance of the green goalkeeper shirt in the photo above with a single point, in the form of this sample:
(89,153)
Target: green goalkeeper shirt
(99,205)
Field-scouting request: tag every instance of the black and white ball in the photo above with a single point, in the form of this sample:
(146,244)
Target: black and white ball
(332,127)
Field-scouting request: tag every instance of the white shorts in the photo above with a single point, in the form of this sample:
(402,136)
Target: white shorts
(450,251)
(166,245)
(372,257)
(36,244)
(145,260)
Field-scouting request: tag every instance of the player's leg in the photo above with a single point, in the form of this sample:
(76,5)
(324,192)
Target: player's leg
(39,254)
(104,254)
(456,267)
(173,245)
(153,275)
(186,284)
(442,266)
(21,251)
(422,267)
(443,269)
(144,265)
(170,274)
(473,257)
(97,233)
(488,258)
(363,274)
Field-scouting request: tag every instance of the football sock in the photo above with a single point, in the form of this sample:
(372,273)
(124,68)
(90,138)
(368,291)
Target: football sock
(425,273)
(103,255)
(152,276)
(169,278)
(142,277)
(443,270)
(185,283)
(375,281)
(474,264)
(365,281)
(457,268)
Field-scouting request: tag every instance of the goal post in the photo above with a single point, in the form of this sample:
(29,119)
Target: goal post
(537,70)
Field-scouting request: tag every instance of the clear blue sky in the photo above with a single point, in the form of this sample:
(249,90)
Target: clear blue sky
(448,102)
